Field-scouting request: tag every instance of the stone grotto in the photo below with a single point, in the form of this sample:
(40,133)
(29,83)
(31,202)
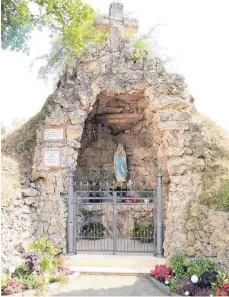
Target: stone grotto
(104,99)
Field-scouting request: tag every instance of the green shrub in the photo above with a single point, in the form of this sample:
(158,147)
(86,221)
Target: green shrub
(180,264)
(200,265)
(47,252)
(42,245)
(185,268)
(21,270)
(46,263)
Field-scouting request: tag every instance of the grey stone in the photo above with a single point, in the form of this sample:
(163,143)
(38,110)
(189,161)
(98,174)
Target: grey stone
(29,192)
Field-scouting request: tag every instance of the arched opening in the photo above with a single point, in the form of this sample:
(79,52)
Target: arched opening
(110,216)
(118,118)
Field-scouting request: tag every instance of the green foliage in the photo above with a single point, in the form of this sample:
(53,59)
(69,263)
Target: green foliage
(71,22)
(173,284)
(179,262)
(16,24)
(47,252)
(185,268)
(142,232)
(29,281)
(200,265)
(221,279)
(21,271)
(4,281)
(43,245)
(58,260)
(46,262)
(146,193)
(141,48)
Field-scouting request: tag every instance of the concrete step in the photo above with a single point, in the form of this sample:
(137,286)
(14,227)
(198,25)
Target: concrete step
(113,263)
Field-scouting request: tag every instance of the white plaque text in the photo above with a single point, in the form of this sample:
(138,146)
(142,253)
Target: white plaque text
(52,158)
(54,134)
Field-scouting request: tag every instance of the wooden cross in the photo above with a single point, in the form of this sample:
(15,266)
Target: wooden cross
(116,24)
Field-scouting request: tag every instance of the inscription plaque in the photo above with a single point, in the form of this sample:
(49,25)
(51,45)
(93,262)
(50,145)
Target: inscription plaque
(52,158)
(117,118)
(53,134)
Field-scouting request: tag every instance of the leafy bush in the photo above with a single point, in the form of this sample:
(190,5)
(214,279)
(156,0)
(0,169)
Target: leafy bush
(21,270)
(185,268)
(47,252)
(200,265)
(43,245)
(180,264)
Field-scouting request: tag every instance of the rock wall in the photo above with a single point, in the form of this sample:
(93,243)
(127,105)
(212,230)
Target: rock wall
(16,215)
(207,233)
(180,142)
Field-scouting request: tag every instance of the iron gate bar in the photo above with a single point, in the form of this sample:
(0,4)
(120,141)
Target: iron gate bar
(95,199)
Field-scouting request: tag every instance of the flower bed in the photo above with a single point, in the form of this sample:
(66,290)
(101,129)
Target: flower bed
(43,265)
(185,277)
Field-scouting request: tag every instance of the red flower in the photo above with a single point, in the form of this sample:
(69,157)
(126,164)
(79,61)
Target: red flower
(161,272)
(224,290)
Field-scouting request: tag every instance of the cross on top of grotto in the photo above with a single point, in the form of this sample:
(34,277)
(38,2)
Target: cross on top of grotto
(116,23)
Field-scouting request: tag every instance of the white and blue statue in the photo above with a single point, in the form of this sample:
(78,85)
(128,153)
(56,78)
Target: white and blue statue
(120,166)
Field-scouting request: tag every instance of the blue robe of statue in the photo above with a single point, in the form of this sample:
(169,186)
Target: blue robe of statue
(121,166)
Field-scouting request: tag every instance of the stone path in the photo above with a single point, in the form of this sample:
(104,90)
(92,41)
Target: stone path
(110,285)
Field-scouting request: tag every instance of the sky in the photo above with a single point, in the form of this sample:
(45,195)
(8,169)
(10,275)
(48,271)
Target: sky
(192,33)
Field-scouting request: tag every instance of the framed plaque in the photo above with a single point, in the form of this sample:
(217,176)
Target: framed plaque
(53,133)
(52,157)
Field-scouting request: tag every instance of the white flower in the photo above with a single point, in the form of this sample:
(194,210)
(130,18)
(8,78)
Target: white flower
(211,295)
(11,269)
(186,293)
(166,282)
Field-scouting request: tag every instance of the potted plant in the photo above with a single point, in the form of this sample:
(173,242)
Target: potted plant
(143,233)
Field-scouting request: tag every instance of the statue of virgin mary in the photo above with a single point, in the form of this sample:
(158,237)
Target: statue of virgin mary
(120,166)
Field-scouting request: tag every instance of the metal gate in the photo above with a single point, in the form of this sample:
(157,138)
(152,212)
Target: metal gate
(114,217)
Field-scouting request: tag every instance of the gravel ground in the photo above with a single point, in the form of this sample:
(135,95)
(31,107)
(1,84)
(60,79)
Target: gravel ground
(109,285)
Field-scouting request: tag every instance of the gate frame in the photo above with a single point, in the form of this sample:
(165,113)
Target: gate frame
(158,206)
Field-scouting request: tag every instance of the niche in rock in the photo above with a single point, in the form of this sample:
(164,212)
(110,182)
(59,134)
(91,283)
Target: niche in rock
(117,118)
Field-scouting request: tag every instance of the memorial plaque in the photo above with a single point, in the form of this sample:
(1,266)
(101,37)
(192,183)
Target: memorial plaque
(52,158)
(53,134)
